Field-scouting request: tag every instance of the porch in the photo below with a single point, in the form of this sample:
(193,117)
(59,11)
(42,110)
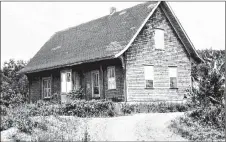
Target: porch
(99,80)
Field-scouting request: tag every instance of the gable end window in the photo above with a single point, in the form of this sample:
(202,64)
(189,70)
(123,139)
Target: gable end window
(159,39)
(111,78)
(173,77)
(149,76)
(46,87)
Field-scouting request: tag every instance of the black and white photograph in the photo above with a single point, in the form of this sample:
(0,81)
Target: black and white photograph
(112,71)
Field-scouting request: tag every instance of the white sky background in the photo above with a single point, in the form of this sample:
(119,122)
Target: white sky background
(26,26)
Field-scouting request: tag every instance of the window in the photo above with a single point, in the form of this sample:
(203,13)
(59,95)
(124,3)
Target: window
(173,77)
(149,76)
(95,84)
(159,39)
(66,82)
(76,80)
(111,78)
(46,87)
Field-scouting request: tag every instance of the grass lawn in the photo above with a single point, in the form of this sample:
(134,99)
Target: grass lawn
(55,128)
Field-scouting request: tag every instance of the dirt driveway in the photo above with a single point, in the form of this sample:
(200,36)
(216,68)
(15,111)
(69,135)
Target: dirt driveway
(138,127)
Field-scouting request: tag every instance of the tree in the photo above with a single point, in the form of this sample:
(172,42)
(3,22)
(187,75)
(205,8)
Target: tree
(210,77)
(14,86)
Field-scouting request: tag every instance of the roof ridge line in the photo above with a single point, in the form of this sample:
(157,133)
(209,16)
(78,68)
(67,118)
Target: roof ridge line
(99,18)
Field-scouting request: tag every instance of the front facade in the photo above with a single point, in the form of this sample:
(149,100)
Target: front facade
(154,65)
(99,80)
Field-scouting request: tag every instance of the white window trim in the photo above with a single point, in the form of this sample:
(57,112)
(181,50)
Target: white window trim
(163,39)
(169,76)
(64,71)
(153,76)
(108,77)
(95,71)
(47,78)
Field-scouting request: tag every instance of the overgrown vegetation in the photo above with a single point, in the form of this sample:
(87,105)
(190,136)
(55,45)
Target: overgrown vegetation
(207,121)
(14,86)
(19,116)
(161,107)
(77,94)
(194,130)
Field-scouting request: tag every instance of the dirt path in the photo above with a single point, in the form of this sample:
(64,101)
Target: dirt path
(138,127)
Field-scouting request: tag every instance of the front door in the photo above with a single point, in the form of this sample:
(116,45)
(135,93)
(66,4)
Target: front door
(95,84)
(66,81)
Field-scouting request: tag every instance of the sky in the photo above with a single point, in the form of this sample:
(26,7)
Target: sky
(26,26)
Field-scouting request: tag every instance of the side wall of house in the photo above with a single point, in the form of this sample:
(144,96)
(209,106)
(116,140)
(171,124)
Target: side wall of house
(118,92)
(142,52)
(35,84)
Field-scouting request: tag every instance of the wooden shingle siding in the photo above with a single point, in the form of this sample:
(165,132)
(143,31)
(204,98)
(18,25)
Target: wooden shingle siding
(35,88)
(142,52)
(35,82)
(118,92)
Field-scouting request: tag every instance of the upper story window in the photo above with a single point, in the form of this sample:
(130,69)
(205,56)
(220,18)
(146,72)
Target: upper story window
(111,77)
(173,77)
(149,76)
(159,39)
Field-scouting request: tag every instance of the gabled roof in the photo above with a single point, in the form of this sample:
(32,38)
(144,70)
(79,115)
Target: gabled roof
(104,38)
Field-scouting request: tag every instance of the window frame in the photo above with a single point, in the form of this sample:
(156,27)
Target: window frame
(176,76)
(49,79)
(159,29)
(95,95)
(153,77)
(108,74)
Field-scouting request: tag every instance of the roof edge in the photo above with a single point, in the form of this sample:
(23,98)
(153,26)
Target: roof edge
(177,20)
(138,31)
(197,58)
(65,65)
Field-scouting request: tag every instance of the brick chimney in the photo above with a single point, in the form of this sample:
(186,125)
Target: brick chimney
(112,10)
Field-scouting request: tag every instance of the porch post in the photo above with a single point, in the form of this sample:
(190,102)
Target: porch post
(124,76)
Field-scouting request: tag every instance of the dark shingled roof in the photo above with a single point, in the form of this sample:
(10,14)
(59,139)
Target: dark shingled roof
(98,39)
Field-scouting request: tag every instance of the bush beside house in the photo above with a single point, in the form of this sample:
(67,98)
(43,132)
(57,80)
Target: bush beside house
(207,121)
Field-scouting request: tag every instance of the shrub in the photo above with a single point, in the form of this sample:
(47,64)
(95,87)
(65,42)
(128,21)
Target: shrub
(127,109)
(19,116)
(116,99)
(214,117)
(23,123)
(3,110)
(6,122)
(161,107)
(93,108)
(77,94)
(192,130)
